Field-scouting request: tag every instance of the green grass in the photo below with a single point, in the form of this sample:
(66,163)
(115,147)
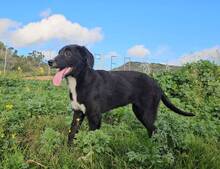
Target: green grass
(35,117)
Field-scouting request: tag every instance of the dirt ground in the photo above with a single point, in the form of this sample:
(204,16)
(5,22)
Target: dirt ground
(39,78)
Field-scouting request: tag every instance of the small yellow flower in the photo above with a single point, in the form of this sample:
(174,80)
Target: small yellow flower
(9,106)
(41,70)
(19,68)
(69,130)
(13,135)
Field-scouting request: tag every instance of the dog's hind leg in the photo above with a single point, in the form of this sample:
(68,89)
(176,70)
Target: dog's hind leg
(78,117)
(147,116)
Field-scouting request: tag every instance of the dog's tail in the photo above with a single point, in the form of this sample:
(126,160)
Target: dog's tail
(173,107)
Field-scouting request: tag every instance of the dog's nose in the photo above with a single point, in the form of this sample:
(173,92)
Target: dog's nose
(50,62)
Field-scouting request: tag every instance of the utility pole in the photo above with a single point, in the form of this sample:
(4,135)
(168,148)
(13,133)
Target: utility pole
(101,63)
(124,63)
(148,66)
(129,62)
(218,55)
(111,61)
(143,65)
(5,63)
(167,66)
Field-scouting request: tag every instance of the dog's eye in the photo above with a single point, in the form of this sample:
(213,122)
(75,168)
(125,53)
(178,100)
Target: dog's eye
(67,53)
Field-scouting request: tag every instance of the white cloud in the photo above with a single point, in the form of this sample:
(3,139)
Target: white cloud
(138,50)
(211,54)
(55,27)
(7,25)
(47,12)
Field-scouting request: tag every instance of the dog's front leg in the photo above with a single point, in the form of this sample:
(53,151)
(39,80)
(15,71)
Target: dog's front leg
(78,117)
(94,120)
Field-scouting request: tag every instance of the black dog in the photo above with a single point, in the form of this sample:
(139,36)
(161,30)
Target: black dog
(93,92)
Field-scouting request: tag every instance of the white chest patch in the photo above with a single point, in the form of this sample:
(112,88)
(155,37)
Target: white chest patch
(72,87)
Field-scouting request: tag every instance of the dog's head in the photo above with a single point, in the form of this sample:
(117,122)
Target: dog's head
(71,60)
(72,56)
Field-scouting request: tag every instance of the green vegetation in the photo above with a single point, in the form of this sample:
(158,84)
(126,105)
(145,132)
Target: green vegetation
(35,117)
(29,65)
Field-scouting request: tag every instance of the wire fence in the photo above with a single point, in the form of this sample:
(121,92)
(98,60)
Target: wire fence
(10,61)
(35,63)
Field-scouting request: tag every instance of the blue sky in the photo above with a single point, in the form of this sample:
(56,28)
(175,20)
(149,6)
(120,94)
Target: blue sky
(167,29)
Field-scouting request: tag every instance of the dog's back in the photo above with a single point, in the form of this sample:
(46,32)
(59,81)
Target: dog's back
(118,88)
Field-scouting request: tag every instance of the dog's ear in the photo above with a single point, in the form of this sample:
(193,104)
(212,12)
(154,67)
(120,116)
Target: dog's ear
(82,50)
(86,55)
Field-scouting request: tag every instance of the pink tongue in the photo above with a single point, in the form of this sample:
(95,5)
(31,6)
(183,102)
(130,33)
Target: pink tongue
(60,75)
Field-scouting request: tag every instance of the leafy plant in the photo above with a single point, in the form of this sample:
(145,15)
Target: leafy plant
(35,117)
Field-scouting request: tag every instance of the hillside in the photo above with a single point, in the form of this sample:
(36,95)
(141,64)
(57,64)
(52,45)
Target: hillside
(145,67)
